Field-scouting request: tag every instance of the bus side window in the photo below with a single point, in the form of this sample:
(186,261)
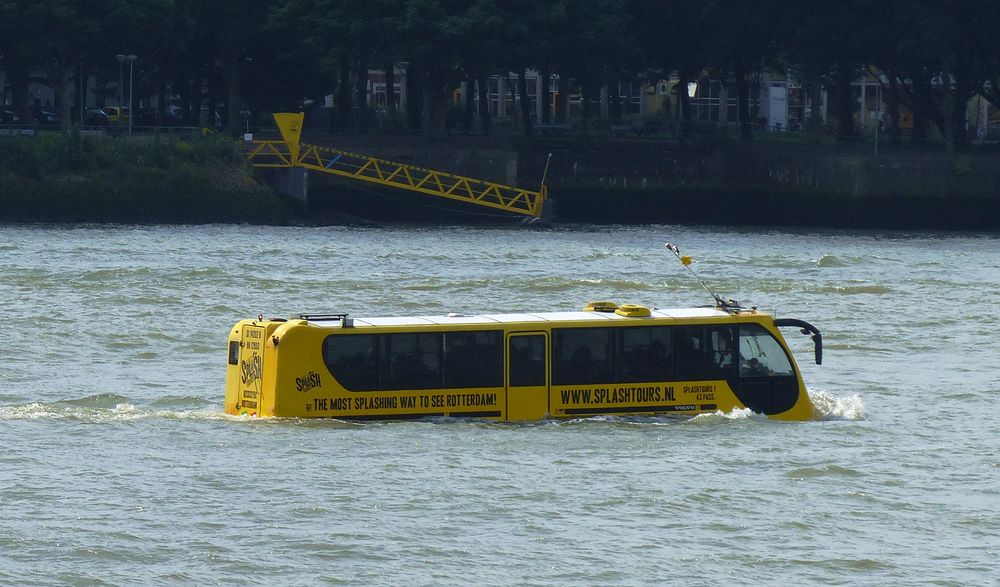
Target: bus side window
(414,361)
(761,355)
(722,351)
(353,360)
(527,361)
(645,354)
(691,356)
(581,356)
(472,359)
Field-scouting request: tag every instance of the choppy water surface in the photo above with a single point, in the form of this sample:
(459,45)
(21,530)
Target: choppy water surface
(117,465)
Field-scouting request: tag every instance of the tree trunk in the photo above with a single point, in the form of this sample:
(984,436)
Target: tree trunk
(522,89)
(161,101)
(414,96)
(192,104)
(469,106)
(62,103)
(546,95)
(484,103)
(231,77)
(390,96)
(892,104)
(18,78)
(615,100)
(992,92)
(586,92)
(213,99)
(361,89)
(682,108)
(814,124)
(343,96)
(437,101)
(742,102)
(683,100)
(960,108)
(948,109)
(845,106)
(79,107)
(562,99)
(919,125)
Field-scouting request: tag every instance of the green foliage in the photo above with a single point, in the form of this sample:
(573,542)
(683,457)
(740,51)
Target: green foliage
(72,179)
(267,55)
(962,166)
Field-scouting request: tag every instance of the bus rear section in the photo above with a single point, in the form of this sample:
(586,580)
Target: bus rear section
(245,390)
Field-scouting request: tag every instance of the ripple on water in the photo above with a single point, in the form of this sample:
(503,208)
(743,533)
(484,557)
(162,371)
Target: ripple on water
(853,289)
(830,261)
(181,401)
(100,400)
(823,471)
(74,410)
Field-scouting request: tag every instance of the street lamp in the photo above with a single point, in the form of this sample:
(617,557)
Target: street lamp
(130,59)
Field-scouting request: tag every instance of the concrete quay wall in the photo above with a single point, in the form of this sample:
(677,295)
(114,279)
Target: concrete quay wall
(775,184)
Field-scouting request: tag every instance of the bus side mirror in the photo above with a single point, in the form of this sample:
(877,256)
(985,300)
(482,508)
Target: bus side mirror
(807,328)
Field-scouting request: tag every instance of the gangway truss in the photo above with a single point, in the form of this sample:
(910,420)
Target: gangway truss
(289,152)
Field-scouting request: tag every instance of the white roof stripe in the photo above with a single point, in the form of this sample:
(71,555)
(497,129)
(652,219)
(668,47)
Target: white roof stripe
(492,319)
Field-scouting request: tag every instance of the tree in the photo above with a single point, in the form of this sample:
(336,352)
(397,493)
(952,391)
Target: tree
(54,33)
(670,39)
(741,39)
(945,52)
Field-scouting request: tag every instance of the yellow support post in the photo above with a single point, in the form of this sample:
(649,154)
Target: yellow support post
(290,127)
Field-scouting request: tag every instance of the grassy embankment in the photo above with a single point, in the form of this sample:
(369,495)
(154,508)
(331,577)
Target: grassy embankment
(72,178)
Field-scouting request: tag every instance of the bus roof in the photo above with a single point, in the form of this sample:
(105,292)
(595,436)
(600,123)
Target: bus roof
(494,319)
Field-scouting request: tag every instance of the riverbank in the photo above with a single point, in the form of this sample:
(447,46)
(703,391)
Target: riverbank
(73,178)
(152,179)
(774,181)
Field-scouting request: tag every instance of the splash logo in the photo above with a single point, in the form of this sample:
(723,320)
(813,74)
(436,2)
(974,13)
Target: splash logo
(251,370)
(308,382)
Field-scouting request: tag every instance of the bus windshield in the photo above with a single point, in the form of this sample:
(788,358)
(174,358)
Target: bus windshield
(760,354)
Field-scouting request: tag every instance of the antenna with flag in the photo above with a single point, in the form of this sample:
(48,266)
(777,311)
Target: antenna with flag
(726,305)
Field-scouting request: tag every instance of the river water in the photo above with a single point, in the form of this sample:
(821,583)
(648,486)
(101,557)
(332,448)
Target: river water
(118,467)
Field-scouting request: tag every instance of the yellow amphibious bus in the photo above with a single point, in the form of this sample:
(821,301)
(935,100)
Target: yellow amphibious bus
(606,359)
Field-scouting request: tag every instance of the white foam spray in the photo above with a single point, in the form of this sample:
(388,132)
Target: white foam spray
(837,407)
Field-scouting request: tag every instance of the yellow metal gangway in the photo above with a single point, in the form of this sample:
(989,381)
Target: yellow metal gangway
(289,152)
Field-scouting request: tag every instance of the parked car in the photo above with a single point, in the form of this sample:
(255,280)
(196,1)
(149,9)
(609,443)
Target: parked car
(96,117)
(117,113)
(8,116)
(44,116)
